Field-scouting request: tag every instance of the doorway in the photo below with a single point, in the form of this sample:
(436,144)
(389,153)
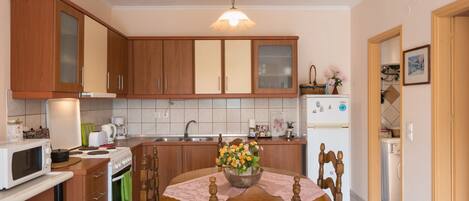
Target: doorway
(376,94)
(450,97)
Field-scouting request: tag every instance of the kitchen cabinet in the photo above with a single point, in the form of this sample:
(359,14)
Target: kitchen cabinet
(95,75)
(46,195)
(208,62)
(238,66)
(147,67)
(285,157)
(170,163)
(137,154)
(275,66)
(48,65)
(199,156)
(117,63)
(178,66)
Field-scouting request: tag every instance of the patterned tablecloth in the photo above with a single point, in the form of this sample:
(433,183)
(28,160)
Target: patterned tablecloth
(275,184)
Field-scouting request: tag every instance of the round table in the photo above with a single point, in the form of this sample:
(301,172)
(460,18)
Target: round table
(207,171)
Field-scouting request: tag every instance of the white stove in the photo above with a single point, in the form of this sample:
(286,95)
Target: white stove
(119,164)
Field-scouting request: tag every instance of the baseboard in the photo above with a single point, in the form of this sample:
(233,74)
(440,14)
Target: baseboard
(355,197)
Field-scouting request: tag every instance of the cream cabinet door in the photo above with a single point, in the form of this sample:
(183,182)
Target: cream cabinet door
(95,77)
(207,66)
(238,66)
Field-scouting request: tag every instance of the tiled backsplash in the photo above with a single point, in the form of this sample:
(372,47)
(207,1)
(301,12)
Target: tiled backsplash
(149,117)
(33,112)
(391,108)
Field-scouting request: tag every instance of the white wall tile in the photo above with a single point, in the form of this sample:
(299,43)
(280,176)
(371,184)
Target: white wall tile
(33,107)
(134,103)
(135,129)
(244,128)
(148,129)
(233,103)
(275,103)
(219,128)
(191,114)
(290,102)
(148,103)
(290,114)
(219,115)
(193,103)
(120,112)
(177,129)
(219,103)
(262,115)
(177,104)
(162,129)
(134,115)
(177,115)
(205,128)
(33,121)
(205,103)
(247,114)
(148,115)
(163,115)
(119,103)
(247,103)
(43,121)
(233,115)
(162,103)
(233,128)
(205,115)
(16,107)
(261,103)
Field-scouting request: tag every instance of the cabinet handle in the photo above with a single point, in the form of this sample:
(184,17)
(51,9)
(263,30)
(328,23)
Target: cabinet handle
(98,175)
(226,83)
(101,195)
(219,83)
(122,82)
(165,85)
(107,83)
(82,76)
(134,167)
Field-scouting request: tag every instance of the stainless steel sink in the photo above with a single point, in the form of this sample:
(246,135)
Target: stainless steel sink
(179,139)
(198,139)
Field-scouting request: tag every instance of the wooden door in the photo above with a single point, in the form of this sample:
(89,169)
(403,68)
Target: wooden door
(275,67)
(148,67)
(178,66)
(285,157)
(208,64)
(238,66)
(137,154)
(95,74)
(117,63)
(123,65)
(69,49)
(199,156)
(170,163)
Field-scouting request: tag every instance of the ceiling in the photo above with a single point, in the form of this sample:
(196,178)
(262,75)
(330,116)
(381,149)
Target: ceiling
(228,2)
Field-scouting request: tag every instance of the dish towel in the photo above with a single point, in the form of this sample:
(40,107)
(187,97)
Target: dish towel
(126,187)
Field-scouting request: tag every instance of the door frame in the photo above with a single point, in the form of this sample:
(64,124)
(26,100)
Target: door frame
(442,99)
(374,110)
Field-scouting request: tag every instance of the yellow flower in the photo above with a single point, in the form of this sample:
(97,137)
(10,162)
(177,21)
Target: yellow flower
(240,144)
(242,161)
(248,158)
(253,143)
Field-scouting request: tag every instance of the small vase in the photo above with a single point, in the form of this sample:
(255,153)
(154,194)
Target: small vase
(335,91)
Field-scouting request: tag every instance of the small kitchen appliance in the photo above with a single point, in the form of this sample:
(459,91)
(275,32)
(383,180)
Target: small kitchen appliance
(97,139)
(15,130)
(111,131)
(325,119)
(120,125)
(23,160)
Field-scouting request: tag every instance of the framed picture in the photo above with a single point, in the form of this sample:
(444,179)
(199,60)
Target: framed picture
(417,65)
(277,123)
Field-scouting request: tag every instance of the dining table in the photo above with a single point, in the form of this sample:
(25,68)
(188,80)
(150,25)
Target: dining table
(195,184)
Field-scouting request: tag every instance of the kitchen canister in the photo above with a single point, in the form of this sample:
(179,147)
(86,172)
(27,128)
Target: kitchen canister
(15,130)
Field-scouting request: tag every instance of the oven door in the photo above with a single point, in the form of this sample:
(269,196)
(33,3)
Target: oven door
(122,185)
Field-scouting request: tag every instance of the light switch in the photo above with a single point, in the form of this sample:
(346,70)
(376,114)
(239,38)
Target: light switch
(410,131)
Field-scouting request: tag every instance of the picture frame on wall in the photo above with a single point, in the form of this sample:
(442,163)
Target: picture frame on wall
(417,66)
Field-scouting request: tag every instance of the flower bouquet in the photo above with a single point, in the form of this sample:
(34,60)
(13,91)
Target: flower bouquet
(335,78)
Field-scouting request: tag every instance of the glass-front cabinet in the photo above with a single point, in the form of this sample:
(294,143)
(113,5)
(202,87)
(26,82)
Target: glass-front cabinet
(69,64)
(275,66)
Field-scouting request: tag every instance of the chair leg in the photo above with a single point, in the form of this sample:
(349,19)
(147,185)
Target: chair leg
(212,189)
(296,189)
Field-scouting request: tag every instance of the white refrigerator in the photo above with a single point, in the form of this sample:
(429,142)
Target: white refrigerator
(390,169)
(326,119)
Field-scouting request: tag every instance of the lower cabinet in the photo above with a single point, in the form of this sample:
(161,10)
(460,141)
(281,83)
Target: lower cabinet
(198,157)
(46,195)
(284,157)
(137,154)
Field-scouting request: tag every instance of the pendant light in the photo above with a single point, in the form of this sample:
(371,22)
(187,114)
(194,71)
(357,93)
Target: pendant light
(232,20)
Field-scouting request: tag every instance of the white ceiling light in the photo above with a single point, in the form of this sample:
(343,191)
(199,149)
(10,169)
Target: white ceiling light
(232,20)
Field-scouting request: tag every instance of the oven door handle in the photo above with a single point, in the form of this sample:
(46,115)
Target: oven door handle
(119,177)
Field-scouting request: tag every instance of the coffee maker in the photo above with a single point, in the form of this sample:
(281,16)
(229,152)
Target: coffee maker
(119,122)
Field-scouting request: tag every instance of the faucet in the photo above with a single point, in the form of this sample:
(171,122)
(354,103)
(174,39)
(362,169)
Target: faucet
(186,132)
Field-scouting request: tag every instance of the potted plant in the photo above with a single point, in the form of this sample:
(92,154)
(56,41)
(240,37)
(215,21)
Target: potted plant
(240,164)
(335,78)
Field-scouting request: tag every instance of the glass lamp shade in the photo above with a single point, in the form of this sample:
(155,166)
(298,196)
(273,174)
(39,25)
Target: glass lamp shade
(232,20)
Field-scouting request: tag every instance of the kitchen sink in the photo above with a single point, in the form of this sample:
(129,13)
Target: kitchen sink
(198,139)
(179,139)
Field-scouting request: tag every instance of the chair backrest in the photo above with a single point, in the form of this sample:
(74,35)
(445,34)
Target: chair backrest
(328,183)
(254,193)
(149,177)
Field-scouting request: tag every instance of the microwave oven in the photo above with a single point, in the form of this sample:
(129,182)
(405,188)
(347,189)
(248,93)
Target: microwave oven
(23,160)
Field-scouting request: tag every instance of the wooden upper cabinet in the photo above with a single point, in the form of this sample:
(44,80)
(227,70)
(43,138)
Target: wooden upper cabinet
(178,66)
(208,64)
(48,65)
(238,66)
(275,66)
(147,67)
(95,75)
(117,63)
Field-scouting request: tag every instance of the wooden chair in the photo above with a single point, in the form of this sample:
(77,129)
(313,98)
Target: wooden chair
(328,183)
(149,177)
(254,193)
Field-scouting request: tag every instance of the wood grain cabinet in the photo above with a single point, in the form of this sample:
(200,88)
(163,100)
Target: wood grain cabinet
(137,154)
(48,65)
(198,156)
(208,67)
(178,66)
(147,65)
(275,66)
(117,70)
(285,157)
(238,67)
(170,163)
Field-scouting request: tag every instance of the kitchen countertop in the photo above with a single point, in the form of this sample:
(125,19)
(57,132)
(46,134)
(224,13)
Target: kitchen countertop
(34,187)
(135,141)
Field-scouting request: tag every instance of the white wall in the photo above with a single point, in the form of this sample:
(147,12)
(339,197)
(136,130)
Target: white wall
(4,63)
(324,31)
(369,18)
